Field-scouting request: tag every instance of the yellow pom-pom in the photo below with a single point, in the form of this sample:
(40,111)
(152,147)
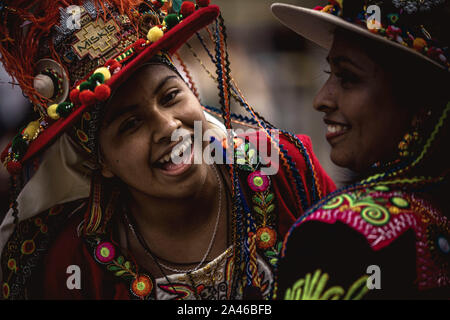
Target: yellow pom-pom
(105,72)
(31,131)
(419,44)
(154,34)
(51,111)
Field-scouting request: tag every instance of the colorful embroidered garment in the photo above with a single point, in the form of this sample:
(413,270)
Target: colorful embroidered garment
(36,259)
(370,243)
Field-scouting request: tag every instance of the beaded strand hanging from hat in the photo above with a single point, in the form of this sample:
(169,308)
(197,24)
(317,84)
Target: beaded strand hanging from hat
(243,222)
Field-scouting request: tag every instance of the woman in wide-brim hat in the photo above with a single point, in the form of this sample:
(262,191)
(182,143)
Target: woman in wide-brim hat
(102,209)
(386,105)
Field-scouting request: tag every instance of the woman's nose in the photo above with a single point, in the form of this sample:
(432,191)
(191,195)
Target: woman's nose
(164,126)
(326,98)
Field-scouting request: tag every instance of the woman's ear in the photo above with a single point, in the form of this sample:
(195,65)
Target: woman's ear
(106,172)
(104,168)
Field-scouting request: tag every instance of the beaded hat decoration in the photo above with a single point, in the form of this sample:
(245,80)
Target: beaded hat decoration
(67,56)
(419,27)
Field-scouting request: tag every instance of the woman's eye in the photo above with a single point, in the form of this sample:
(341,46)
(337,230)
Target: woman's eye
(169,97)
(129,124)
(347,77)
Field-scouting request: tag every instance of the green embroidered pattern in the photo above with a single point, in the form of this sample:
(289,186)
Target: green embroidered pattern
(313,288)
(374,209)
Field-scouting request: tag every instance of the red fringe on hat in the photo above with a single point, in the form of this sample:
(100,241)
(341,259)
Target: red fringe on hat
(26,23)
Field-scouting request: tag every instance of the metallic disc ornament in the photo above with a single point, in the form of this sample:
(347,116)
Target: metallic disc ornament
(51,81)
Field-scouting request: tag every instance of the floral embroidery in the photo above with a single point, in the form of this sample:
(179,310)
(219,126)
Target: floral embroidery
(142,286)
(313,289)
(258,182)
(266,238)
(105,252)
(28,244)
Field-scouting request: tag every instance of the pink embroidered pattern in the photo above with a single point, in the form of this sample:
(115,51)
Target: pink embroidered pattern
(382,216)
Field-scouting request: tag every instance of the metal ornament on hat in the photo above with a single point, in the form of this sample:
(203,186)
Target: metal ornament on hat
(51,81)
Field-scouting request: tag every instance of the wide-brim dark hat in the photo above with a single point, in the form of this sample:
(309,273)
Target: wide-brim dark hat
(402,24)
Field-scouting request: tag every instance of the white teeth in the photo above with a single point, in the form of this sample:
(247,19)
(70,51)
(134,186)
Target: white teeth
(177,151)
(336,128)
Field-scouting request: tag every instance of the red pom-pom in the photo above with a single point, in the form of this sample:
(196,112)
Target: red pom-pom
(139,45)
(203,3)
(75,96)
(114,65)
(87,97)
(318,8)
(187,8)
(102,92)
(14,167)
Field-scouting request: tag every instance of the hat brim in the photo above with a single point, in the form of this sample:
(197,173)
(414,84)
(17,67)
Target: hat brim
(171,42)
(319,27)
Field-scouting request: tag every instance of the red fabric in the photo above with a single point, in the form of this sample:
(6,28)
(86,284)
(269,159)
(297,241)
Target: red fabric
(69,249)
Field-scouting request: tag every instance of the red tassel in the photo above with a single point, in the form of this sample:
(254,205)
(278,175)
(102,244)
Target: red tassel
(87,97)
(102,92)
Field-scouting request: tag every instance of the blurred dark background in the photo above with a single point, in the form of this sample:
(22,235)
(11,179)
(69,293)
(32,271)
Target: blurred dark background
(278,72)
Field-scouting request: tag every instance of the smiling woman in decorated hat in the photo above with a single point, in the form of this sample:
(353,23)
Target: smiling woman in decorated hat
(104,208)
(386,105)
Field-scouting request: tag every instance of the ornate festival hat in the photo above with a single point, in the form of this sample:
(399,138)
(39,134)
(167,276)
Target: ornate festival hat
(418,27)
(69,55)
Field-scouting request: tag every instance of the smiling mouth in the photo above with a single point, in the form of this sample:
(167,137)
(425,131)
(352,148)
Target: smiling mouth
(335,129)
(178,161)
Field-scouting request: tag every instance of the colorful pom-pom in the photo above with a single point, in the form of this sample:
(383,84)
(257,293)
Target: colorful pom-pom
(52,113)
(86,85)
(102,92)
(96,78)
(105,72)
(419,44)
(64,109)
(171,20)
(87,97)
(318,8)
(14,167)
(187,8)
(31,130)
(114,66)
(139,45)
(203,3)
(75,96)
(154,34)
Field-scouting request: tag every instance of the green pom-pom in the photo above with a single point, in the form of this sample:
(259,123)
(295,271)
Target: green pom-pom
(171,20)
(87,85)
(64,109)
(19,146)
(97,77)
